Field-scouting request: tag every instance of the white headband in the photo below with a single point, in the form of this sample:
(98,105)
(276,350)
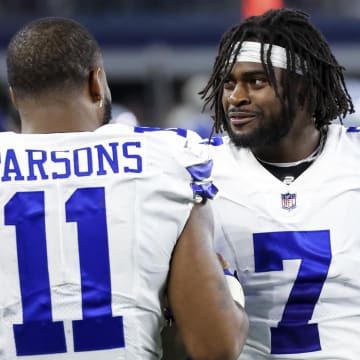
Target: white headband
(251,52)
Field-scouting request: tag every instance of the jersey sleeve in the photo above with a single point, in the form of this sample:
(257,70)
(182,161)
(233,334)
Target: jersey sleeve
(186,150)
(199,164)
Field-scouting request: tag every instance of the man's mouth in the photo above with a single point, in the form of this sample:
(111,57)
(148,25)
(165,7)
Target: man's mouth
(241,117)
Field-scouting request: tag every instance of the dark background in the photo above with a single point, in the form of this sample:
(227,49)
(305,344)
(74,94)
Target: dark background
(158,52)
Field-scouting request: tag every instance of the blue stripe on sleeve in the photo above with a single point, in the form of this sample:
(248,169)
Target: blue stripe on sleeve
(202,171)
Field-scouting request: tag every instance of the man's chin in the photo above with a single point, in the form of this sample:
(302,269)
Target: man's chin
(243,139)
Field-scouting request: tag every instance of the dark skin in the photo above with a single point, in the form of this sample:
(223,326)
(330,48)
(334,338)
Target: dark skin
(173,346)
(78,109)
(255,118)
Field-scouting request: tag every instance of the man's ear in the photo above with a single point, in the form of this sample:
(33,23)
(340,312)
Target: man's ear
(95,88)
(12,97)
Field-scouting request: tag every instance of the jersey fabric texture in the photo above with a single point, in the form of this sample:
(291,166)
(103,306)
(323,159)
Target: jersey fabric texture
(88,225)
(295,249)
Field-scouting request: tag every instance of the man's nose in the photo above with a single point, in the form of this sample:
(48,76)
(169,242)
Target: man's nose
(239,96)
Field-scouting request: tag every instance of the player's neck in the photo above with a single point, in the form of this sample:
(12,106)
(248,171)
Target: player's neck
(54,118)
(289,171)
(37,128)
(294,147)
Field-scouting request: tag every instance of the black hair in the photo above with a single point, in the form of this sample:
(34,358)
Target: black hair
(323,87)
(50,53)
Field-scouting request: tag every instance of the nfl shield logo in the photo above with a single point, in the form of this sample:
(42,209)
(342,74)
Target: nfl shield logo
(288,201)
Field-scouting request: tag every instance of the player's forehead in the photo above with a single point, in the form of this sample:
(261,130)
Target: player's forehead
(247,67)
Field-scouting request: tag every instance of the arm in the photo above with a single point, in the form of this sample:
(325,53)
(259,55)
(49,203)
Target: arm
(211,325)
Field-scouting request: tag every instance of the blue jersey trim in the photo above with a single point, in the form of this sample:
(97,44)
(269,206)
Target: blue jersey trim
(200,172)
(228,272)
(214,141)
(142,129)
(202,187)
(205,191)
(353,129)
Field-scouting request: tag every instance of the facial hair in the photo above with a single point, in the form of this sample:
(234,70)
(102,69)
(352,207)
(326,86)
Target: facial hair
(267,132)
(107,111)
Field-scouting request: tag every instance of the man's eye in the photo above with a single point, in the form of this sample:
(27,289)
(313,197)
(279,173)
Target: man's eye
(228,83)
(259,82)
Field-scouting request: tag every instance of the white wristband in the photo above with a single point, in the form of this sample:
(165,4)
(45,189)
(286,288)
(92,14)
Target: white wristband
(236,290)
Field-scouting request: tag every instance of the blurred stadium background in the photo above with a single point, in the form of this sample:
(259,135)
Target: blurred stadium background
(158,52)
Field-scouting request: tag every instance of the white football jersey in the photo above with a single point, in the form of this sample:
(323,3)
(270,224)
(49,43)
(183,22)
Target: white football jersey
(296,249)
(88,223)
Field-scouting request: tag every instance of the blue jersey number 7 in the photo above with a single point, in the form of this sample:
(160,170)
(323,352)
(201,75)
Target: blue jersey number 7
(294,334)
(97,329)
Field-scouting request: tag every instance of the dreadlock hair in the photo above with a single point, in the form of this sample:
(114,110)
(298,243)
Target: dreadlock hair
(323,87)
(51,53)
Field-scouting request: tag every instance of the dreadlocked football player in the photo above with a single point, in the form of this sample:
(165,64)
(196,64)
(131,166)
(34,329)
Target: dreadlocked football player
(289,179)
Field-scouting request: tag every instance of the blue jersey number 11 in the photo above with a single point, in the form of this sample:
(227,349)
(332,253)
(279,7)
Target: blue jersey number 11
(39,334)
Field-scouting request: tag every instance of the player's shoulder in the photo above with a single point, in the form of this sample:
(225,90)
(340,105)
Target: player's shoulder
(353,132)
(183,143)
(218,143)
(159,134)
(345,140)
(179,135)
(184,147)
(349,134)
(221,147)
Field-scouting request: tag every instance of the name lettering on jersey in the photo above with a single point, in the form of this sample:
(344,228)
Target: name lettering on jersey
(288,201)
(97,160)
